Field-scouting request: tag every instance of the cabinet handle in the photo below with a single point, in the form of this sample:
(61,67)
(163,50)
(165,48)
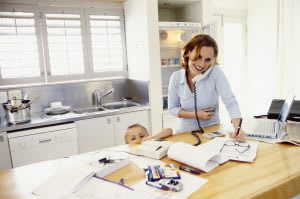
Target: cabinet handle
(43,141)
(117,119)
(108,121)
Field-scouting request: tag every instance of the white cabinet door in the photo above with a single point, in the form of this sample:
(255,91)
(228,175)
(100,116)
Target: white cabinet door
(122,121)
(5,160)
(95,134)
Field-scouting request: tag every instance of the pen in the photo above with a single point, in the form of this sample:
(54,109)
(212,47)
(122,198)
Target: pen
(159,186)
(158,148)
(238,130)
(189,170)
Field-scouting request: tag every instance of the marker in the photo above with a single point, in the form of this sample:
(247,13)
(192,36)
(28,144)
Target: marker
(189,170)
(156,185)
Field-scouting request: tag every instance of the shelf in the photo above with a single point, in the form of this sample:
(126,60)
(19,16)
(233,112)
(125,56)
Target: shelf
(170,66)
(171,46)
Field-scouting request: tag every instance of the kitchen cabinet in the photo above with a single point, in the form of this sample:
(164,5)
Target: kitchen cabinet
(122,121)
(40,144)
(95,134)
(109,131)
(5,160)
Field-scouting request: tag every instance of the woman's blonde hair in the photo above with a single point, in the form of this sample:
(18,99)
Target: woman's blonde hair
(196,43)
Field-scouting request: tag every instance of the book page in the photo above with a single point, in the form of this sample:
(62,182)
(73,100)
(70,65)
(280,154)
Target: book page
(97,188)
(197,157)
(63,182)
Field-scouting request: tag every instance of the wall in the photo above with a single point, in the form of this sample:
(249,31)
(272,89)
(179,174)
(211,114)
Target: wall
(141,21)
(262,55)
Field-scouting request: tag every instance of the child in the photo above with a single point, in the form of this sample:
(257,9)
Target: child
(137,133)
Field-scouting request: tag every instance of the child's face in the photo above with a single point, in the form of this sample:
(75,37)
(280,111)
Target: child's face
(135,135)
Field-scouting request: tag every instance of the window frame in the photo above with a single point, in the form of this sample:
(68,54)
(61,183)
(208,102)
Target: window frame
(27,80)
(98,11)
(45,77)
(61,10)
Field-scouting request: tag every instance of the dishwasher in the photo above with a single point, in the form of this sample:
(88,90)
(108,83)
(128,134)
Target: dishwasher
(40,144)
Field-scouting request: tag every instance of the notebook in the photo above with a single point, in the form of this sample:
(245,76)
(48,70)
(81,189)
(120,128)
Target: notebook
(269,128)
(152,149)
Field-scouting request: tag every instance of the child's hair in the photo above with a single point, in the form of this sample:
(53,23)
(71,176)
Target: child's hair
(131,127)
(136,125)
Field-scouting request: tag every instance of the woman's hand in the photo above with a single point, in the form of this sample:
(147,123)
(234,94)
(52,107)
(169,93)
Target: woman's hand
(205,114)
(241,137)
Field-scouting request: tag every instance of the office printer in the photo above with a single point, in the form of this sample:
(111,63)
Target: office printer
(276,106)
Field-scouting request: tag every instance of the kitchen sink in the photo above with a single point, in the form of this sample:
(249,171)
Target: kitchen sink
(119,105)
(89,109)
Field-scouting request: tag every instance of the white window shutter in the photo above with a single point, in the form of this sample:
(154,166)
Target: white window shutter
(19,54)
(65,47)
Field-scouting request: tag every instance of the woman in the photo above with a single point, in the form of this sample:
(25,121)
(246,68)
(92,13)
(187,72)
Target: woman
(199,64)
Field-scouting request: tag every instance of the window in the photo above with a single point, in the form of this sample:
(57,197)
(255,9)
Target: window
(106,37)
(49,44)
(64,44)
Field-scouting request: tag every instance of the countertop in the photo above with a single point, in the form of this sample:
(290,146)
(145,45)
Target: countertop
(39,119)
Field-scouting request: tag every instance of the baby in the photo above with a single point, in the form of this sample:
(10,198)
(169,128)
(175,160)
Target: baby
(137,133)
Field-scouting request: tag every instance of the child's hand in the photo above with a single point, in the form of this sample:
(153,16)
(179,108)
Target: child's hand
(148,138)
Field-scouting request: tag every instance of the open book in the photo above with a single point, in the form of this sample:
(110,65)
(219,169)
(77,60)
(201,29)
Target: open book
(152,149)
(198,157)
(209,155)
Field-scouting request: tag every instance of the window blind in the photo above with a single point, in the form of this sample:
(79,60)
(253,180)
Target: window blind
(65,44)
(19,55)
(106,43)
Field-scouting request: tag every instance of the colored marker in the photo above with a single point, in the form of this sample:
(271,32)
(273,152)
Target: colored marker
(189,170)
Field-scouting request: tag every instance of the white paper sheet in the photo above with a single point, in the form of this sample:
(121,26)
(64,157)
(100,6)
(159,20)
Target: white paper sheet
(190,182)
(97,188)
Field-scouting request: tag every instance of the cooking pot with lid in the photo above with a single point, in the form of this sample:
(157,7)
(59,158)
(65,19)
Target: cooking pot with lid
(17,112)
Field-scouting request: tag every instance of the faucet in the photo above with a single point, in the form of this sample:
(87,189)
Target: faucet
(99,95)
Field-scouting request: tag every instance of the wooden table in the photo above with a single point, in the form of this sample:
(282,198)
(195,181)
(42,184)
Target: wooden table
(274,174)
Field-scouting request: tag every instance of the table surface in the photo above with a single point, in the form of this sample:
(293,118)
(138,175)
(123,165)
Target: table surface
(274,174)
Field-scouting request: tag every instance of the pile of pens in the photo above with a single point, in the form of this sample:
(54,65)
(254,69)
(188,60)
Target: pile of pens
(157,172)
(163,177)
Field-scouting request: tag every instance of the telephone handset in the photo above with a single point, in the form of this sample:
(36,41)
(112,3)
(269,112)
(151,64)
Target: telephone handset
(202,75)
(195,79)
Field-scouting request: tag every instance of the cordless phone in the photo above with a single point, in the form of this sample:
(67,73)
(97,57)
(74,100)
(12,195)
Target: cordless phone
(196,79)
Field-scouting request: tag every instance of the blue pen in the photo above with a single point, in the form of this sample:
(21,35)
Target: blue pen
(189,170)
(156,185)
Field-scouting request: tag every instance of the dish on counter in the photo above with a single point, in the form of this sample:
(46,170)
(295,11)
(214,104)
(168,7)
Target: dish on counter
(57,111)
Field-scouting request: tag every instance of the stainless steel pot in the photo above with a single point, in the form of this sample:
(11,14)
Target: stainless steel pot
(17,113)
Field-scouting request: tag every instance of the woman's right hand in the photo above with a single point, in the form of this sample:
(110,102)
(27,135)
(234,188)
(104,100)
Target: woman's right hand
(205,114)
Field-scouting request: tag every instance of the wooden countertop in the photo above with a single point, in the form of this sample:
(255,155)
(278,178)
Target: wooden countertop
(274,174)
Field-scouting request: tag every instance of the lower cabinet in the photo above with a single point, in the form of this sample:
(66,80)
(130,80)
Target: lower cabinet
(109,131)
(122,121)
(95,134)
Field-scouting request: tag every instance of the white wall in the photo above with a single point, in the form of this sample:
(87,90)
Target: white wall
(143,51)
(262,55)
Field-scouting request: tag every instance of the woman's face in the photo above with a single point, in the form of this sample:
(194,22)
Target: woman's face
(203,62)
